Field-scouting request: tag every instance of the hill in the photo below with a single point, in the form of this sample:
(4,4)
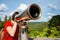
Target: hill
(39,26)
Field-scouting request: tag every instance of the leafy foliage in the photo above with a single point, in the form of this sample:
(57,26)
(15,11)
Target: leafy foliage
(55,21)
(54,26)
(3,22)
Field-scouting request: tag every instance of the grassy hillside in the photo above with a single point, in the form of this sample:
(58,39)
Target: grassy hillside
(41,29)
(39,26)
(38,29)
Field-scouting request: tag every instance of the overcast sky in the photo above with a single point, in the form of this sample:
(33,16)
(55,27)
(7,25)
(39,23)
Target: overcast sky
(49,7)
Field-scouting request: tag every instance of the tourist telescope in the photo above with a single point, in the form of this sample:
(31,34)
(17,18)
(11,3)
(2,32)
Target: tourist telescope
(33,12)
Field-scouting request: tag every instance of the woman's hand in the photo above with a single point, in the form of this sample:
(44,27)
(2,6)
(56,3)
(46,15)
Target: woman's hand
(21,19)
(22,22)
(14,22)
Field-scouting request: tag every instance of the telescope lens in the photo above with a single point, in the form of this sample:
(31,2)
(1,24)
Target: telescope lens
(34,11)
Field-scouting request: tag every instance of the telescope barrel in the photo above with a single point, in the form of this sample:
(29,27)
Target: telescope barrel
(33,12)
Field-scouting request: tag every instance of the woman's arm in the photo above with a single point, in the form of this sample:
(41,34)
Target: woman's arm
(12,30)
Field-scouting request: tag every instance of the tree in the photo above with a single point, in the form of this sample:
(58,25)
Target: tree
(2,22)
(54,26)
(55,21)
(9,18)
(5,19)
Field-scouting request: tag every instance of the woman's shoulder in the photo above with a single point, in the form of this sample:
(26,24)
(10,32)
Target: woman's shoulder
(8,22)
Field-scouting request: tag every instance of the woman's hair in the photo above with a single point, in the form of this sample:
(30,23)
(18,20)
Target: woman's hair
(14,14)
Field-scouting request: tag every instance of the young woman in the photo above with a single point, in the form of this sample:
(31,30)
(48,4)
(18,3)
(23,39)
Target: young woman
(11,29)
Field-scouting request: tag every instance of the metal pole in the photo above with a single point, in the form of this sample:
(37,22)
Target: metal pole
(24,34)
(24,31)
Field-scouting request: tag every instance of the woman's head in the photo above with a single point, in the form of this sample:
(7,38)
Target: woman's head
(14,14)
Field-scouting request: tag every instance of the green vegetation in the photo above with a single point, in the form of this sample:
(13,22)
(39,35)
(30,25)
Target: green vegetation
(3,22)
(50,29)
(42,30)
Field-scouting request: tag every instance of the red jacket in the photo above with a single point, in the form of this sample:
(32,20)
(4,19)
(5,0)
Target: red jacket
(6,35)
